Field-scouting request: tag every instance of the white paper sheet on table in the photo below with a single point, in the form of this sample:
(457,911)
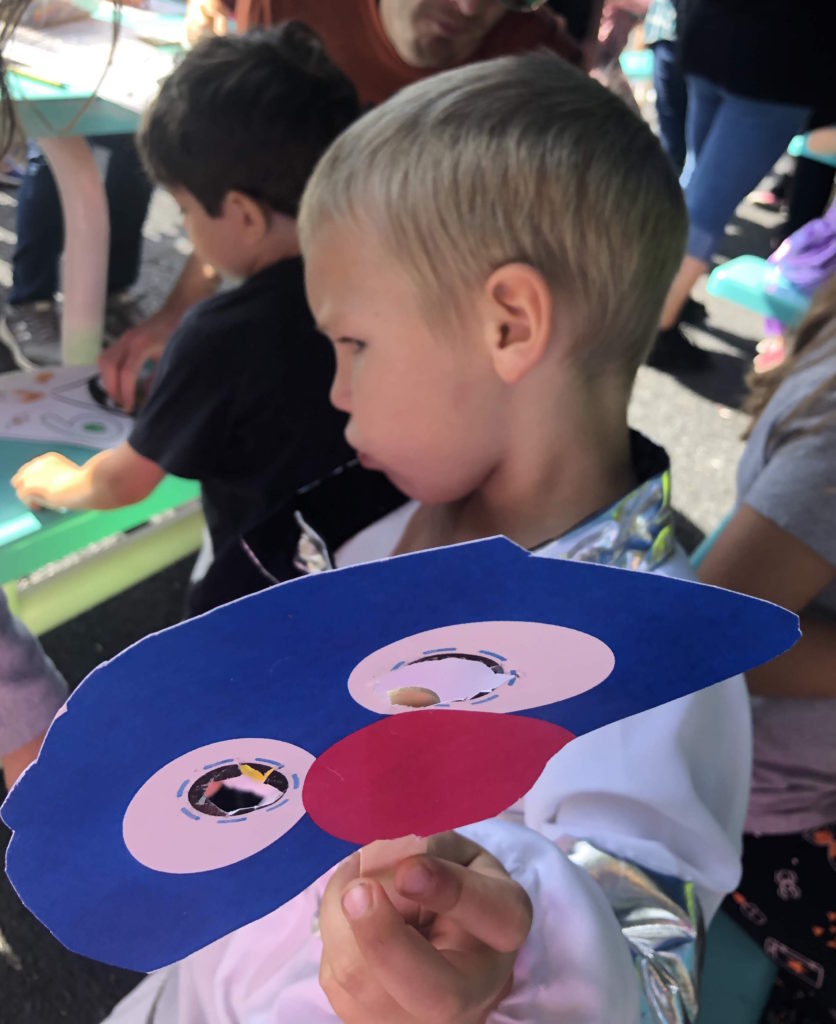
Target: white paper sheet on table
(64,405)
(75,54)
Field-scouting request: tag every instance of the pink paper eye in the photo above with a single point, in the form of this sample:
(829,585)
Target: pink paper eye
(483,666)
(216,805)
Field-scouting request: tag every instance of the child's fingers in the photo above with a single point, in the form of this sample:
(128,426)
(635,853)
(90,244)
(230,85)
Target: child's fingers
(492,908)
(31,497)
(21,474)
(419,978)
(109,369)
(23,489)
(129,371)
(354,995)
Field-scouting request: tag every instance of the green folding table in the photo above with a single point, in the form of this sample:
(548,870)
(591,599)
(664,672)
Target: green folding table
(56,565)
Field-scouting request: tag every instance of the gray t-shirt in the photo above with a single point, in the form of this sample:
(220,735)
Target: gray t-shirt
(788,474)
(31,687)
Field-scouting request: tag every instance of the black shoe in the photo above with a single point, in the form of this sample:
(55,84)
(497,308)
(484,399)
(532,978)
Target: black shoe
(673,351)
(693,312)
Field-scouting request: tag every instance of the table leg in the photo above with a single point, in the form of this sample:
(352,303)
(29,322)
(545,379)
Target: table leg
(86,246)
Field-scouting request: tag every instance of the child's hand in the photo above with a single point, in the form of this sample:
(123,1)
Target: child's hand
(46,482)
(447,957)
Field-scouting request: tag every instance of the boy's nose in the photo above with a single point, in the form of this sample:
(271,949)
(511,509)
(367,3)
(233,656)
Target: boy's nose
(340,394)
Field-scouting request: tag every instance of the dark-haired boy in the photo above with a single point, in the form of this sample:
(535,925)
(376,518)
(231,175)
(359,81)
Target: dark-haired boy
(240,400)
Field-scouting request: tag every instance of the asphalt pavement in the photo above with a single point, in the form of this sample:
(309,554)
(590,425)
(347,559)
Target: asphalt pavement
(695,417)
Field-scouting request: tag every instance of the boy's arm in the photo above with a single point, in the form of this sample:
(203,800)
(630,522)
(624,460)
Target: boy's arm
(755,556)
(113,478)
(120,363)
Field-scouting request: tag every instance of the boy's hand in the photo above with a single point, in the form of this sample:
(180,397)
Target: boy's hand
(121,363)
(47,482)
(446,957)
(205,18)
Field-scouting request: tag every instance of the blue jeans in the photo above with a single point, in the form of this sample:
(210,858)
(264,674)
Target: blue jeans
(733,141)
(40,223)
(671,101)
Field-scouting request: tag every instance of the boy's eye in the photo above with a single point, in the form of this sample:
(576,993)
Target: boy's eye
(354,343)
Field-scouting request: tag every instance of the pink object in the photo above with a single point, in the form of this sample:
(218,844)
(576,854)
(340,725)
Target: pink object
(540,664)
(461,768)
(164,831)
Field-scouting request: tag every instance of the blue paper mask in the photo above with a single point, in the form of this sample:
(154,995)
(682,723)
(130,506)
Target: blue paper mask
(211,772)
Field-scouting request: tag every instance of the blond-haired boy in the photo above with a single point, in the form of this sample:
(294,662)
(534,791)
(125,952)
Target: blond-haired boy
(488,252)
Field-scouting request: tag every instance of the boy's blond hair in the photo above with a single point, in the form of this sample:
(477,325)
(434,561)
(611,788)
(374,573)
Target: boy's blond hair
(520,159)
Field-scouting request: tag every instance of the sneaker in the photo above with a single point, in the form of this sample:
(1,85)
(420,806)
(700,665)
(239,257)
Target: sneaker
(122,311)
(673,351)
(32,334)
(693,312)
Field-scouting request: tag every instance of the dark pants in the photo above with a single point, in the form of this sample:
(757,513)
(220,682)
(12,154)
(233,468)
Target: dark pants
(40,223)
(787,902)
(671,101)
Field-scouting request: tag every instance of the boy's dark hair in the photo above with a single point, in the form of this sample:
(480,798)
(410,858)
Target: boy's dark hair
(251,113)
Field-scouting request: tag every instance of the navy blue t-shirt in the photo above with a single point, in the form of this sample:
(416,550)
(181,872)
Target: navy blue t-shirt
(240,402)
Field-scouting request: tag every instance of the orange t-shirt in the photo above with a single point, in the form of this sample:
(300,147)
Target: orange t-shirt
(353,37)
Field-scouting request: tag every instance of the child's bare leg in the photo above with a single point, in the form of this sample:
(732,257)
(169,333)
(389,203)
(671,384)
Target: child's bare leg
(822,140)
(690,271)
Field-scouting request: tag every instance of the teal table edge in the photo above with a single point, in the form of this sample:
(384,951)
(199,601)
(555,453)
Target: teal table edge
(69,532)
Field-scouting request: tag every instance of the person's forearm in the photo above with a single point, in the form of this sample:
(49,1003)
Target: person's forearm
(113,478)
(197,281)
(98,484)
(807,670)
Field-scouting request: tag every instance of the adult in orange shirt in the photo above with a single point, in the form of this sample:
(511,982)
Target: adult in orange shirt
(382,45)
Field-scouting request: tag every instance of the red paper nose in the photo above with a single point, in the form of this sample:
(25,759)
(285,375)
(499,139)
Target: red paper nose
(427,771)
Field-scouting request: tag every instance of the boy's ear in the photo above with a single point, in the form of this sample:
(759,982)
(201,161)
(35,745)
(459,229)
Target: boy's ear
(245,213)
(520,309)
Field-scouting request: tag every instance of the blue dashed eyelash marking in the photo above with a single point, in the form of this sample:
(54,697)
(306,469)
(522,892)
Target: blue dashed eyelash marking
(194,817)
(228,821)
(275,807)
(484,700)
(441,650)
(295,778)
(266,760)
(400,664)
(493,654)
(183,787)
(216,764)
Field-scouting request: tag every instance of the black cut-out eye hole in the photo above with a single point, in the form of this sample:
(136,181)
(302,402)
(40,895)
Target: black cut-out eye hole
(230,790)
